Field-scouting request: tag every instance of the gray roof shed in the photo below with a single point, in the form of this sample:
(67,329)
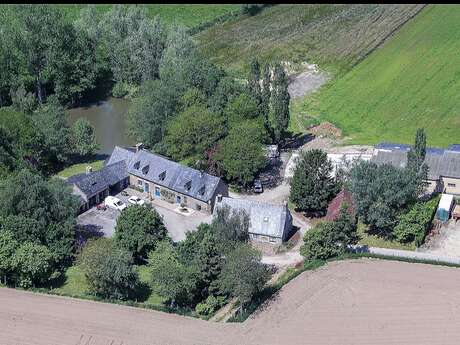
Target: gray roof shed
(265,219)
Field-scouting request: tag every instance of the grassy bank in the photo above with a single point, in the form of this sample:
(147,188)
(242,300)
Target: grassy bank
(369,240)
(333,36)
(79,168)
(410,82)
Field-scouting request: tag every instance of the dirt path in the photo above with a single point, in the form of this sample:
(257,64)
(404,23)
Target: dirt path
(363,302)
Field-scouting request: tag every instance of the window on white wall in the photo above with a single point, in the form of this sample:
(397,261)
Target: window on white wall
(139,182)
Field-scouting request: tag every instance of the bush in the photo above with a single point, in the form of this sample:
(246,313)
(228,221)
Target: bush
(109,270)
(414,224)
(122,89)
(210,305)
(320,243)
(330,239)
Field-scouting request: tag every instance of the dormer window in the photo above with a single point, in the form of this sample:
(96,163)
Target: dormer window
(145,170)
(202,190)
(137,165)
(162,176)
(188,185)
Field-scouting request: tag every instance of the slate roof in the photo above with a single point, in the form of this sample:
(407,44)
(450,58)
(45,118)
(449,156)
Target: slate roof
(441,162)
(120,154)
(97,181)
(265,219)
(164,172)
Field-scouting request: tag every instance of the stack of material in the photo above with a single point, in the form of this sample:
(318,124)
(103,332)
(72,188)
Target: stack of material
(456,212)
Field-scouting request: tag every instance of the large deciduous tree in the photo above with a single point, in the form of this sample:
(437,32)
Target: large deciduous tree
(170,278)
(380,192)
(312,186)
(241,154)
(83,138)
(108,269)
(193,131)
(138,230)
(243,274)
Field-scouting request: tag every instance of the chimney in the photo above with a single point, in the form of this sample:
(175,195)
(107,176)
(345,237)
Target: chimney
(219,197)
(139,146)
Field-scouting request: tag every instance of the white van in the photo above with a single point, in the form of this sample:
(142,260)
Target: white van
(114,203)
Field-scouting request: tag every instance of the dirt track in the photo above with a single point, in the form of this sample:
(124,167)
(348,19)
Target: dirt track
(354,302)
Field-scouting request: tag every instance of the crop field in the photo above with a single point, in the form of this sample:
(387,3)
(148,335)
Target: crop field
(190,15)
(365,301)
(333,36)
(411,81)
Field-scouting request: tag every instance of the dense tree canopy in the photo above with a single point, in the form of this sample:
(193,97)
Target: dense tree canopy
(380,192)
(243,275)
(139,229)
(108,269)
(83,138)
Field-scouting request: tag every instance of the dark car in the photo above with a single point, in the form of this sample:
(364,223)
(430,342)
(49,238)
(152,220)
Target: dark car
(258,188)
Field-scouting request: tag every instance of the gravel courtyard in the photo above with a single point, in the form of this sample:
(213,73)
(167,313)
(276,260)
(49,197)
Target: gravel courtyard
(359,302)
(103,222)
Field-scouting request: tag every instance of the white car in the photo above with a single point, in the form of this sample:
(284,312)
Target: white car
(135,200)
(114,203)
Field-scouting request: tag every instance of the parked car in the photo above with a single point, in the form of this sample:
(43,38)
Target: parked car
(101,207)
(258,186)
(135,200)
(124,193)
(114,203)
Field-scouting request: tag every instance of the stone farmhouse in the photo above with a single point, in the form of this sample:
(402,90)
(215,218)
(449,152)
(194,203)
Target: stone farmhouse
(156,176)
(443,164)
(268,223)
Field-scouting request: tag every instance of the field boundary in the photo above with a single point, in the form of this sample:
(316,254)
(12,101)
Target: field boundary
(387,37)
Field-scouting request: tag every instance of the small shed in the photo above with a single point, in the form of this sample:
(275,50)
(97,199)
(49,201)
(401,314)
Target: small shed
(445,207)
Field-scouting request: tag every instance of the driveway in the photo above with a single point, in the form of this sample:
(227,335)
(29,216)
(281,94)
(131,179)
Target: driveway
(103,222)
(446,242)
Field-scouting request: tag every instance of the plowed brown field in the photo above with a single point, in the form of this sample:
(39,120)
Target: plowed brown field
(352,302)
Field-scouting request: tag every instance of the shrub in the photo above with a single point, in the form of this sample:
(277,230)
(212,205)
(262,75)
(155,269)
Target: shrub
(414,224)
(330,239)
(109,270)
(210,305)
(320,243)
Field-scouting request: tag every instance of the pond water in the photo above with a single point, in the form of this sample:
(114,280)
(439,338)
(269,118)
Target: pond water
(108,118)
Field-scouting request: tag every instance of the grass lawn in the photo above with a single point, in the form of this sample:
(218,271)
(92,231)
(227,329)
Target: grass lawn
(375,241)
(189,15)
(411,81)
(333,36)
(80,168)
(75,285)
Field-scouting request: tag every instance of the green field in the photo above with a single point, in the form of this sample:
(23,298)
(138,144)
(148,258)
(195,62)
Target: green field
(190,15)
(333,36)
(411,81)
